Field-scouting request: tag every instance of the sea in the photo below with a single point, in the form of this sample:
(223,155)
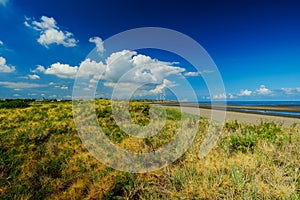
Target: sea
(286,104)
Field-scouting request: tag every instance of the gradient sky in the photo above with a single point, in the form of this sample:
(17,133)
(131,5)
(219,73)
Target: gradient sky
(255,44)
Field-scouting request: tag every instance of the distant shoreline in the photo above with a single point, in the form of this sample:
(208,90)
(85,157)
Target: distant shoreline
(272,110)
(240,116)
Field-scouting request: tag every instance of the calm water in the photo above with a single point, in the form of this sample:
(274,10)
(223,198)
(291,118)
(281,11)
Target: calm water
(265,103)
(290,104)
(256,103)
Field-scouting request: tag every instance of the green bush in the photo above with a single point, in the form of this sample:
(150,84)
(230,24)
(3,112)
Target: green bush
(243,141)
(18,103)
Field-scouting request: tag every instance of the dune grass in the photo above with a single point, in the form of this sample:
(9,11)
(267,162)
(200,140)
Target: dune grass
(42,157)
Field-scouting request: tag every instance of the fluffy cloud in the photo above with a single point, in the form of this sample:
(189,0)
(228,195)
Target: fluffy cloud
(39,68)
(5,67)
(64,87)
(98,42)
(62,70)
(231,96)
(52,36)
(1,43)
(129,69)
(126,89)
(126,69)
(245,93)
(88,68)
(290,90)
(263,90)
(33,76)
(125,66)
(219,96)
(118,64)
(160,88)
(197,73)
(50,33)
(192,74)
(262,93)
(137,68)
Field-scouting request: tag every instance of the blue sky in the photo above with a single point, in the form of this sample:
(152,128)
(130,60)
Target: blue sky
(255,45)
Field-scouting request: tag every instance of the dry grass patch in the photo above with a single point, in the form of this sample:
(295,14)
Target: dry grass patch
(42,157)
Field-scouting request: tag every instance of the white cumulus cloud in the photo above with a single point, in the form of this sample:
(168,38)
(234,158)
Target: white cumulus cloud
(4,67)
(90,67)
(117,64)
(39,68)
(219,96)
(291,90)
(138,68)
(231,96)
(129,65)
(33,76)
(1,43)
(288,90)
(192,74)
(50,33)
(64,87)
(197,73)
(263,90)
(62,70)
(160,88)
(245,92)
(98,42)
(130,69)
(127,69)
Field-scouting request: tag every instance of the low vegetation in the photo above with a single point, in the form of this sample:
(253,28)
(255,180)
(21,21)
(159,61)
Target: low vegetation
(18,103)
(42,157)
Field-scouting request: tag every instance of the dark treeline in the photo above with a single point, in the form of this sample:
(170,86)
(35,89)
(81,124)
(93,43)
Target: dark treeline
(14,103)
(24,103)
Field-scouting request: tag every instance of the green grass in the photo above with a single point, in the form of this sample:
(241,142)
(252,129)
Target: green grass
(42,157)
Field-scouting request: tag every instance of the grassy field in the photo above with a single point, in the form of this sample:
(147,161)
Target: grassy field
(42,157)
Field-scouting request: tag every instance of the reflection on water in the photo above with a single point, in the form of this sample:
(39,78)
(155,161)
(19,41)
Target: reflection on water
(276,107)
(271,112)
(273,104)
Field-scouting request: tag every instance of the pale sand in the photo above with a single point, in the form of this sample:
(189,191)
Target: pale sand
(241,117)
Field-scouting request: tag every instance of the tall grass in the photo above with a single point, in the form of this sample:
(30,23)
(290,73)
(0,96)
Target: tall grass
(42,157)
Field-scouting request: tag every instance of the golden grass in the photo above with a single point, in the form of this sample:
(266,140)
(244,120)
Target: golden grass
(42,157)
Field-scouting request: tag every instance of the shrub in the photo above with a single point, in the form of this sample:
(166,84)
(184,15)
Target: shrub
(242,141)
(18,103)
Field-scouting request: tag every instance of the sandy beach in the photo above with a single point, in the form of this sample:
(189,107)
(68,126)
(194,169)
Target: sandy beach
(241,117)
